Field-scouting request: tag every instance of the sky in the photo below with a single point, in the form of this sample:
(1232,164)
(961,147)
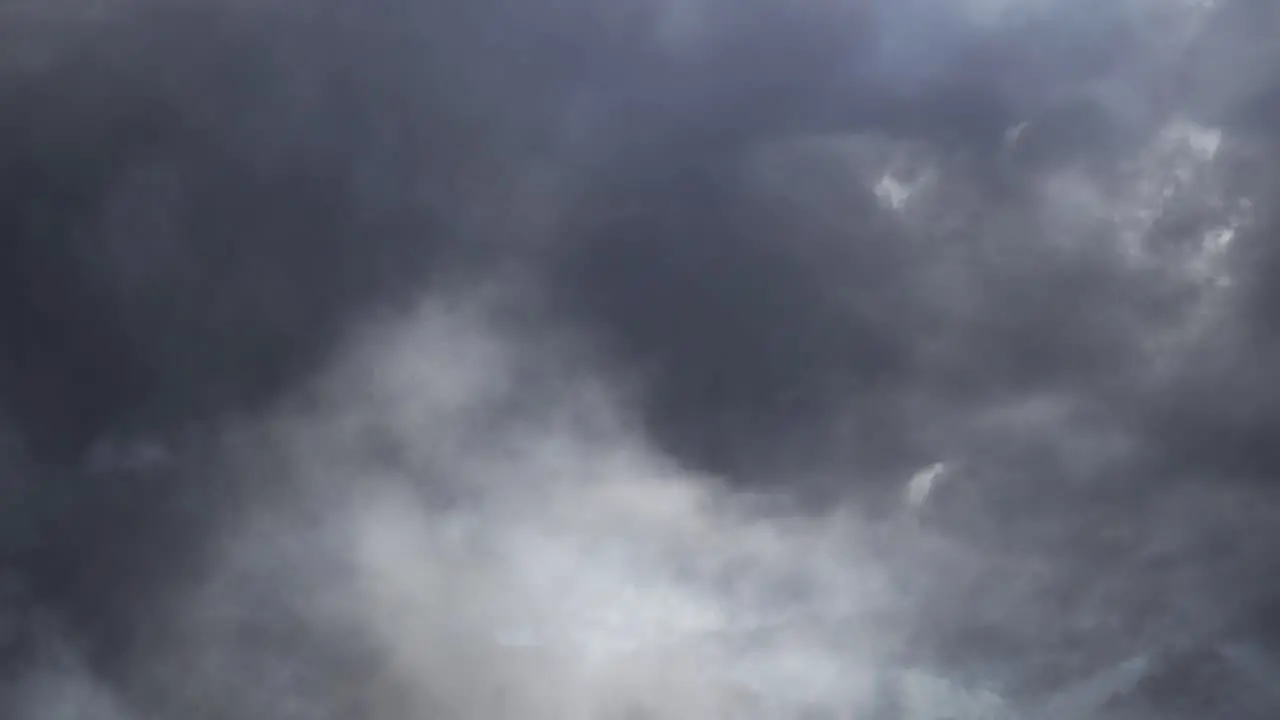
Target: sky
(660,358)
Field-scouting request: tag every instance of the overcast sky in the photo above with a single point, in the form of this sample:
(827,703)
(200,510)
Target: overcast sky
(431,358)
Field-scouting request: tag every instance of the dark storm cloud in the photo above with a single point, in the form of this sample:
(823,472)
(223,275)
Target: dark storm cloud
(201,202)
(198,201)
(1027,342)
(763,309)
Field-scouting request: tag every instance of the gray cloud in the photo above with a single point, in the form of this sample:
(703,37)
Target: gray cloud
(347,350)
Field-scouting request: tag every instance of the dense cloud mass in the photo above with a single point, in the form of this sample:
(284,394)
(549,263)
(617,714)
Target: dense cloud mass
(657,358)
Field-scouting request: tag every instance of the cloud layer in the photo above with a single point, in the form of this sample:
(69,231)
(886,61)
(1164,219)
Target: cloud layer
(480,359)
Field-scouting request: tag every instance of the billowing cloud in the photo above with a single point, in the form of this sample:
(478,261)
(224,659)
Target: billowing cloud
(473,359)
